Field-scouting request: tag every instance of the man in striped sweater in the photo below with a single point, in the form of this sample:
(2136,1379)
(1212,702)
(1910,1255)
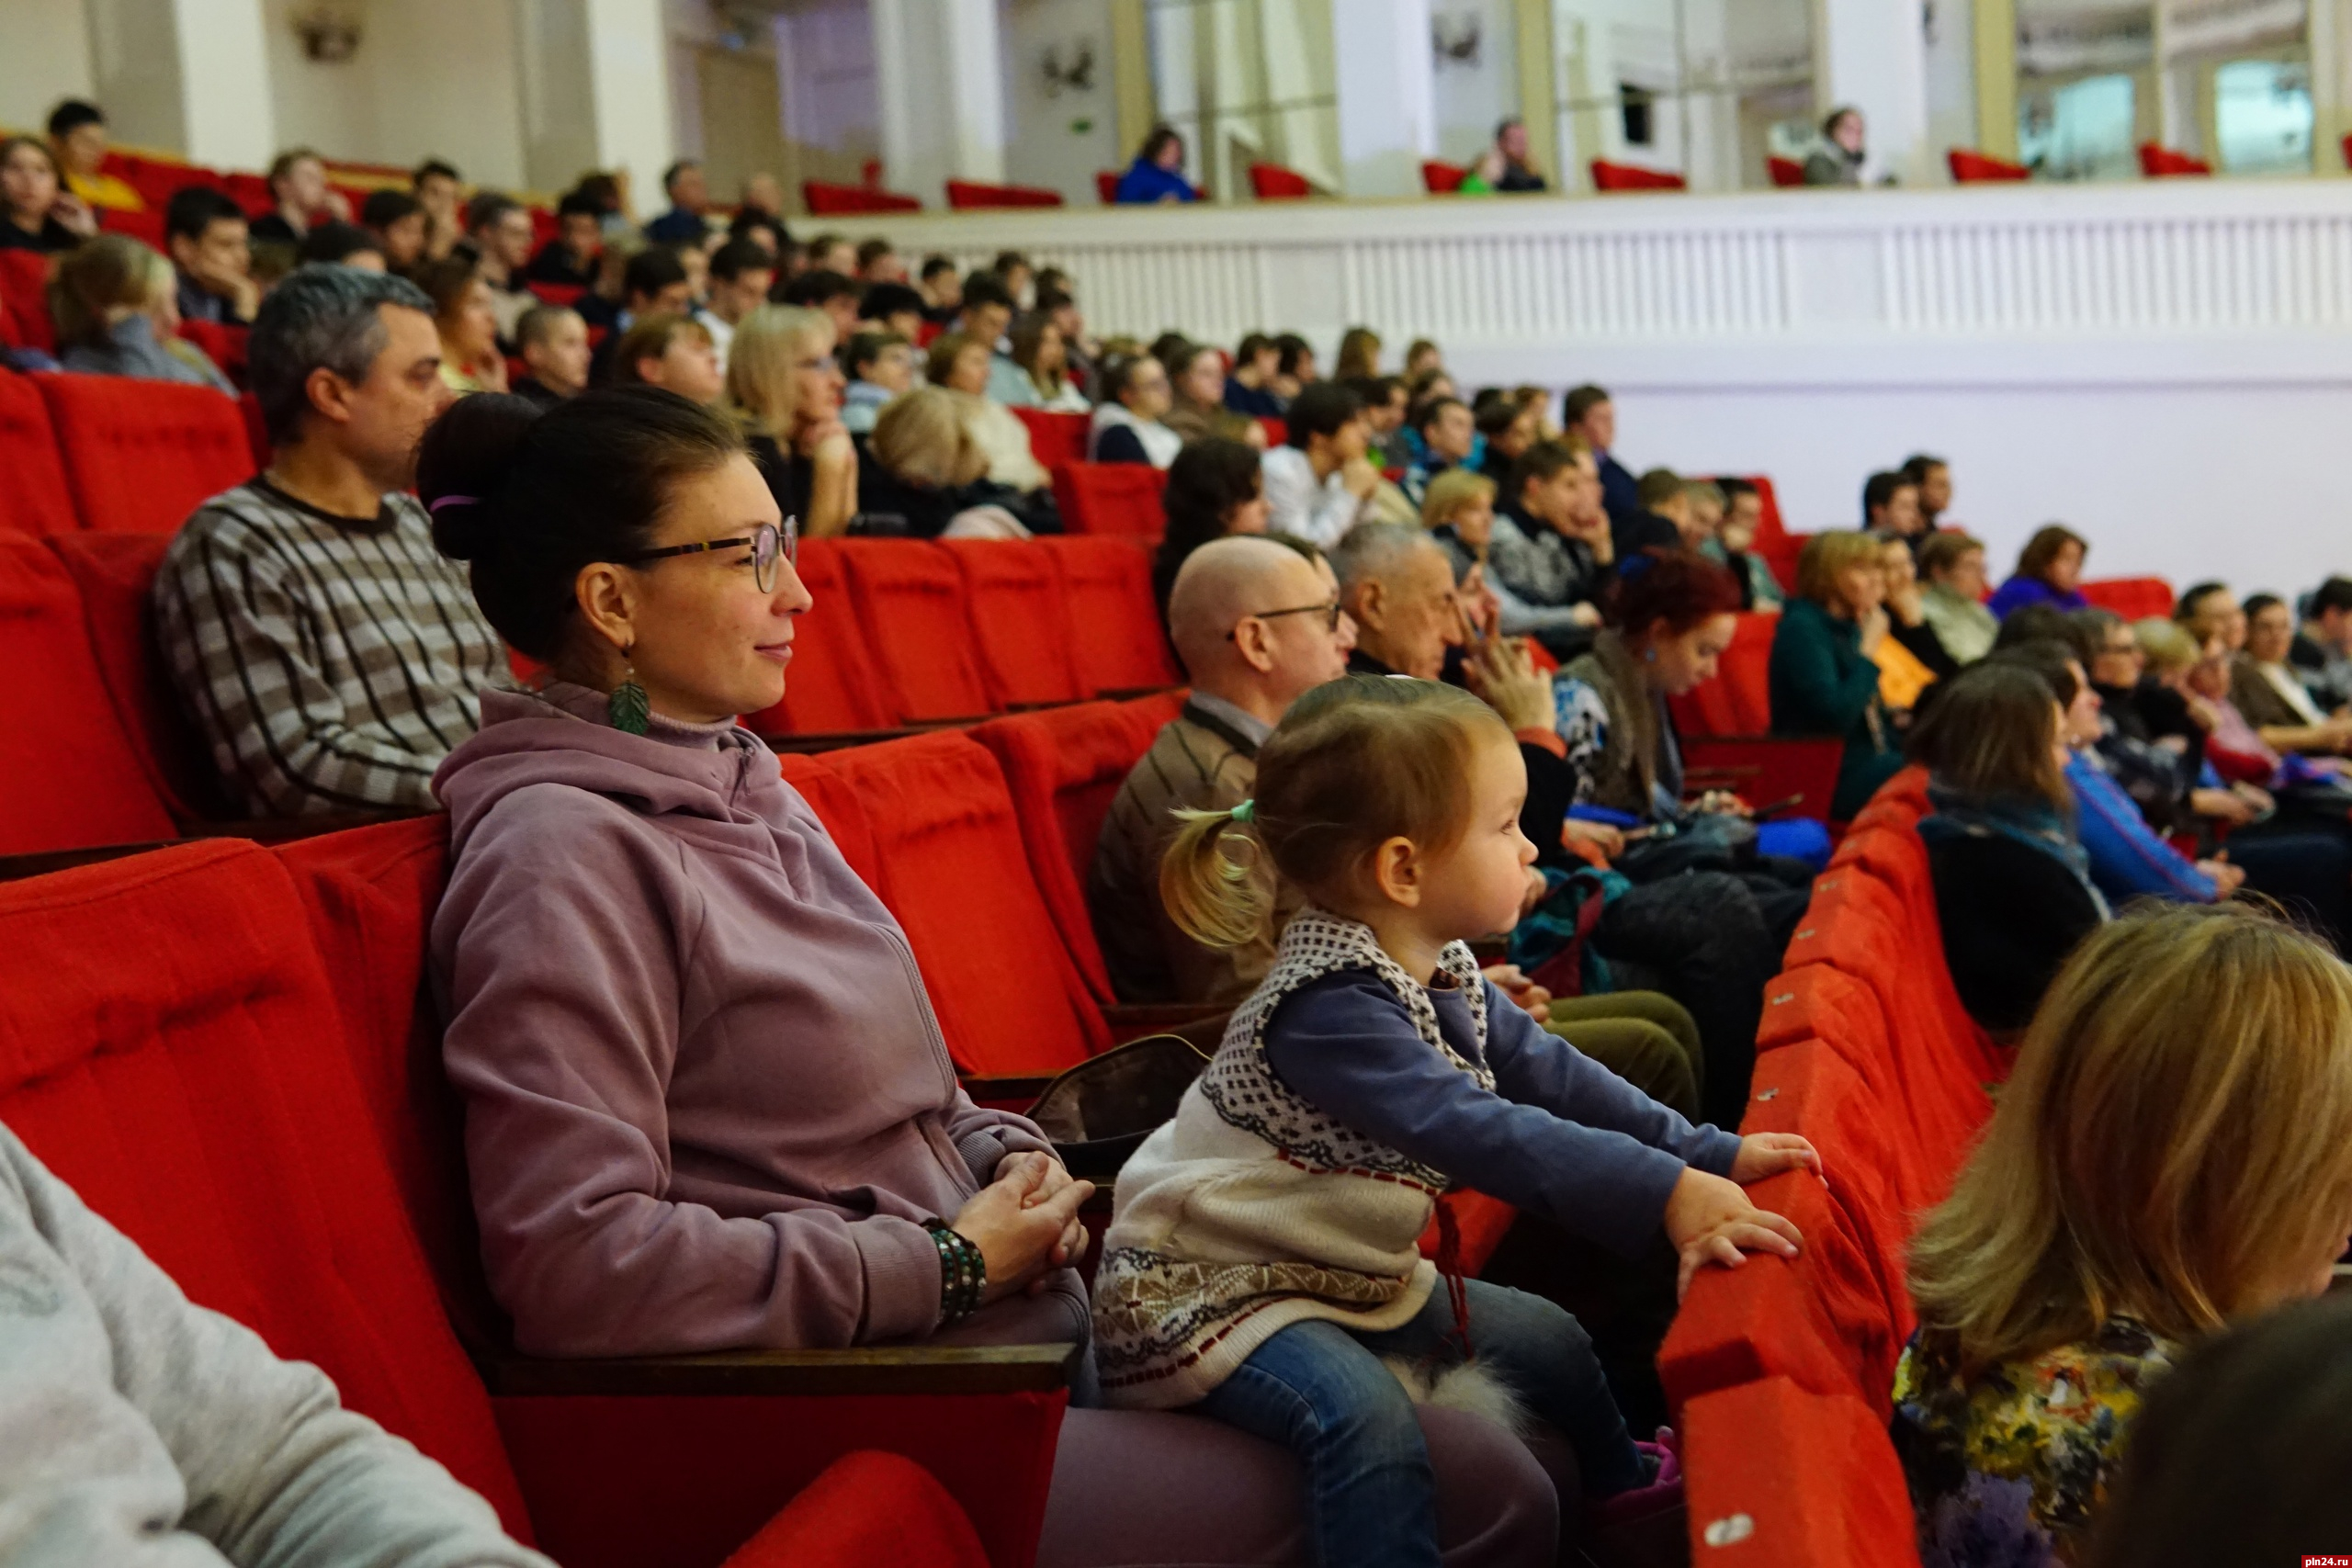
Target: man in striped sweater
(327,652)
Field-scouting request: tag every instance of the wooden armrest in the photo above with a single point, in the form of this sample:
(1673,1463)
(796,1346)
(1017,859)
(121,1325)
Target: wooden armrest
(881,1370)
(16,868)
(841,739)
(286,829)
(1010,1091)
(1131,1021)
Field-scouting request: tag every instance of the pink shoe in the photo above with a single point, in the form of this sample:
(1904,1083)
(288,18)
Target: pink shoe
(1663,1493)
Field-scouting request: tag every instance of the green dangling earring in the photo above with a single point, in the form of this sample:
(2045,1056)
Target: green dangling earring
(627,707)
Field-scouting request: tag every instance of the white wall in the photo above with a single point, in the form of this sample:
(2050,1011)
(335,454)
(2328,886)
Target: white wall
(833,112)
(44,56)
(1388,113)
(1059,135)
(431,78)
(1474,96)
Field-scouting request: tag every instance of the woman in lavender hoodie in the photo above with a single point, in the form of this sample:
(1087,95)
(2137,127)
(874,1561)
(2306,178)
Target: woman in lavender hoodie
(708,1104)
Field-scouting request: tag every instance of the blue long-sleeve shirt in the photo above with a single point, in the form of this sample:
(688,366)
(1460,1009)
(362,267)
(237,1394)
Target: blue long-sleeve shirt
(1560,1135)
(2128,861)
(1146,181)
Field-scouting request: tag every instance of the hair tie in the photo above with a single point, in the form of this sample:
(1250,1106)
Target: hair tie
(1244,812)
(455,501)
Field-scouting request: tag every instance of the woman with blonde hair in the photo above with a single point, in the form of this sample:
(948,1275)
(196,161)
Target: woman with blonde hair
(1358,355)
(2172,1153)
(786,391)
(1823,676)
(113,302)
(466,318)
(930,468)
(959,363)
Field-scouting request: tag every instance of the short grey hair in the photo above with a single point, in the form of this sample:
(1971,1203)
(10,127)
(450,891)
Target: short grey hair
(322,316)
(1376,549)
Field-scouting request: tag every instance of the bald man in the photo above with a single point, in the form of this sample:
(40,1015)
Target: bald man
(1256,624)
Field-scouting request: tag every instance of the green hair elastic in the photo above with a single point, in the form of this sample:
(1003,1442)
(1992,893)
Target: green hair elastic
(1243,812)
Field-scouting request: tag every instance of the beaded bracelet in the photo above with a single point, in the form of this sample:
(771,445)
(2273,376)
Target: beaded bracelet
(963,1272)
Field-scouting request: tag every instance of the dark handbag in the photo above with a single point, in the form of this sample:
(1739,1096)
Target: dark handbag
(1705,841)
(1100,1111)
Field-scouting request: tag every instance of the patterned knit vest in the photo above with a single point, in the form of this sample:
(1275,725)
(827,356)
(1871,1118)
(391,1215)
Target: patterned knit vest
(1252,1210)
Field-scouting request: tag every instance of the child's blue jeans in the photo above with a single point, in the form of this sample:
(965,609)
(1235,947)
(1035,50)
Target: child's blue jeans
(1320,1391)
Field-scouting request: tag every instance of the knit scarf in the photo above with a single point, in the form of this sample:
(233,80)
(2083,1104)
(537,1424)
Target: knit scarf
(2035,823)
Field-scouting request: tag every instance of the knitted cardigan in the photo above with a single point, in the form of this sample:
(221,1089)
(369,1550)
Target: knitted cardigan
(1252,1209)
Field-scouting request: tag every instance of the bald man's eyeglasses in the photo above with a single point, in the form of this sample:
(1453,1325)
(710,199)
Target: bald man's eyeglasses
(1329,611)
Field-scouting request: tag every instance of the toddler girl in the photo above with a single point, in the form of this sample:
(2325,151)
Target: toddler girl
(1261,1258)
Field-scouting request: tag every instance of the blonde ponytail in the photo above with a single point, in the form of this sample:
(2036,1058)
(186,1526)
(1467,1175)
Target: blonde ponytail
(1214,898)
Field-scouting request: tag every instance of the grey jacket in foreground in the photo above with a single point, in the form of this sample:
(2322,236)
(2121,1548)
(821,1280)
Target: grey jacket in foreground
(138,1430)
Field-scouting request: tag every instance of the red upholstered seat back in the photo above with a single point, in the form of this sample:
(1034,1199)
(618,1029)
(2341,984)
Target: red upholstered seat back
(70,777)
(1272,182)
(1106,186)
(223,345)
(1156,708)
(1063,767)
(830,687)
(2159,163)
(1773,541)
(1780,1478)
(1020,622)
(948,842)
(1607,175)
(1784,171)
(910,599)
(142,454)
(964,193)
(24,283)
(200,1099)
(1111,498)
(1738,701)
(1055,438)
(1114,623)
(827,200)
(868,1507)
(2133,598)
(1438,179)
(1976,168)
(112,573)
(837,806)
(34,500)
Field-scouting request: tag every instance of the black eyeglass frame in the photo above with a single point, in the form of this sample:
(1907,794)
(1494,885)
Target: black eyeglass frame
(787,548)
(1331,609)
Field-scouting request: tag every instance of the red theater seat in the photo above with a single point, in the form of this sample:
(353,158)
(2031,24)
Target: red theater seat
(1781,1478)
(1784,173)
(830,201)
(829,688)
(1114,623)
(34,500)
(112,575)
(1975,168)
(1106,186)
(196,1099)
(1738,701)
(1272,182)
(142,454)
(967,193)
(225,345)
(1020,622)
(948,842)
(2160,163)
(24,283)
(561,294)
(1055,439)
(1767,769)
(1607,175)
(1111,498)
(2133,598)
(146,227)
(911,598)
(867,1508)
(70,777)
(1441,179)
(1063,767)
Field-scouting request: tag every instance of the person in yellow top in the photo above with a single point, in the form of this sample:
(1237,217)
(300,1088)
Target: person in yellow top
(77,134)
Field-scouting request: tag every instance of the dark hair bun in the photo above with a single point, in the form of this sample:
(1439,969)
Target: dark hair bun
(467,456)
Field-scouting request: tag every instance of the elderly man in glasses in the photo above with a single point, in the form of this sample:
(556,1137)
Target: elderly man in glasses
(1256,622)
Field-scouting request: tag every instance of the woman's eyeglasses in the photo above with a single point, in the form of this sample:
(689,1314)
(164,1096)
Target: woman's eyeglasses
(1329,611)
(769,545)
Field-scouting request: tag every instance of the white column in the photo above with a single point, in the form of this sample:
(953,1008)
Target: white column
(1872,54)
(938,74)
(1387,95)
(225,104)
(628,90)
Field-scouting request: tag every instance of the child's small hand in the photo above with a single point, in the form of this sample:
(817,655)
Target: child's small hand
(1709,1220)
(1768,1154)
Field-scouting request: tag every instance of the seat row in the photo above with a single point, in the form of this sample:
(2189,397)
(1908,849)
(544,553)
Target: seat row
(1781,1371)
(111,453)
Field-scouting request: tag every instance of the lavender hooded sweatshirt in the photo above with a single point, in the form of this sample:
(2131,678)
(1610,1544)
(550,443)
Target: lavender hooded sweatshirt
(707,1103)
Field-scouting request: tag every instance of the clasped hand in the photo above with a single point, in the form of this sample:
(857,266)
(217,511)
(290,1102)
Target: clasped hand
(1025,1223)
